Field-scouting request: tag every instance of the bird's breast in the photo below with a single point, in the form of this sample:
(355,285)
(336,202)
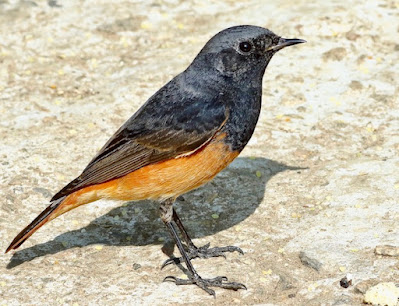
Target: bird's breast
(243,116)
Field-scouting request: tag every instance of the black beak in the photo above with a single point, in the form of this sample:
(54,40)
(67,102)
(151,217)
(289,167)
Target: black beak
(285,42)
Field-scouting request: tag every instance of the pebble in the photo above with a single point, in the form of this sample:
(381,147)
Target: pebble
(309,261)
(343,300)
(387,250)
(136,266)
(346,281)
(352,35)
(45,192)
(363,286)
(336,54)
(355,85)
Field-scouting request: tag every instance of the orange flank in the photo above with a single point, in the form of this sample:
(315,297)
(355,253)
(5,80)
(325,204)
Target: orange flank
(159,181)
(167,179)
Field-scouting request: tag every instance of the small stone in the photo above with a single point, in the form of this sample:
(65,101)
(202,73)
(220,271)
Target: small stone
(387,250)
(136,266)
(382,294)
(336,54)
(53,3)
(345,282)
(355,85)
(309,261)
(285,283)
(45,192)
(343,300)
(352,35)
(47,280)
(363,286)
(301,109)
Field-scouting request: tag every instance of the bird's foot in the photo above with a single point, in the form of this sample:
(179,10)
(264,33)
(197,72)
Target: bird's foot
(204,284)
(203,252)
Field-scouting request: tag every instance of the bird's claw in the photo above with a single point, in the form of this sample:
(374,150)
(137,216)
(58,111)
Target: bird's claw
(204,284)
(203,252)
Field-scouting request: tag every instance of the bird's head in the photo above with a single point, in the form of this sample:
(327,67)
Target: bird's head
(240,50)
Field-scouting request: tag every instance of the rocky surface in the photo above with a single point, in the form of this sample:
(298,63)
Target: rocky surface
(319,177)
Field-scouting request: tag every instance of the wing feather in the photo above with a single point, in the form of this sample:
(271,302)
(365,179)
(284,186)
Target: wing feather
(152,135)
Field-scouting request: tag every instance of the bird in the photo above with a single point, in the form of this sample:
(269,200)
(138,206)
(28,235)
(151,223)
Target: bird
(179,139)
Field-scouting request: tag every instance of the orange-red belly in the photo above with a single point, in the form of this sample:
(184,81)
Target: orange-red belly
(167,179)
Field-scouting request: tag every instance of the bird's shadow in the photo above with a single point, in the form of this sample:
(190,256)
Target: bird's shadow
(224,202)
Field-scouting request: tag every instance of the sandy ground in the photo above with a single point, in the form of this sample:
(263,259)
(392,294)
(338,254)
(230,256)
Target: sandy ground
(317,186)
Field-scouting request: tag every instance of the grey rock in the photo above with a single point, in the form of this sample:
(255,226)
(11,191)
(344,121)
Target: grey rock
(309,261)
(45,192)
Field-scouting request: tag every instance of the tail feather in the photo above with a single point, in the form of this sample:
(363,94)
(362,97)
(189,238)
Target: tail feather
(45,216)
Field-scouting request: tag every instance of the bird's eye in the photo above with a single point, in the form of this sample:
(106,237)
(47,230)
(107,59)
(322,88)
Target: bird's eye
(245,46)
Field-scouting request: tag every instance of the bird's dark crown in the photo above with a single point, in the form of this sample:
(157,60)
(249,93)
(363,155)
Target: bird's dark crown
(259,38)
(239,50)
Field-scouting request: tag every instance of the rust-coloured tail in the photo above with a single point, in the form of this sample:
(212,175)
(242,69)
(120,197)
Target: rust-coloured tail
(44,217)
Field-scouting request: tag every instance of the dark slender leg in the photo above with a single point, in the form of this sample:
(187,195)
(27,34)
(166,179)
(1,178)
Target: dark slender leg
(197,252)
(167,213)
(183,231)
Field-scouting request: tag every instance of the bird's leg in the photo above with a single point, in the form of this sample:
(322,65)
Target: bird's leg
(183,231)
(198,252)
(166,209)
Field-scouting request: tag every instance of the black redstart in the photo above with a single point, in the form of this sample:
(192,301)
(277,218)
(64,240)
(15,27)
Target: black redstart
(186,133)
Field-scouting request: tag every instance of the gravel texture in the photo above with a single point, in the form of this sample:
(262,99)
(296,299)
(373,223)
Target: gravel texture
(320,175)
